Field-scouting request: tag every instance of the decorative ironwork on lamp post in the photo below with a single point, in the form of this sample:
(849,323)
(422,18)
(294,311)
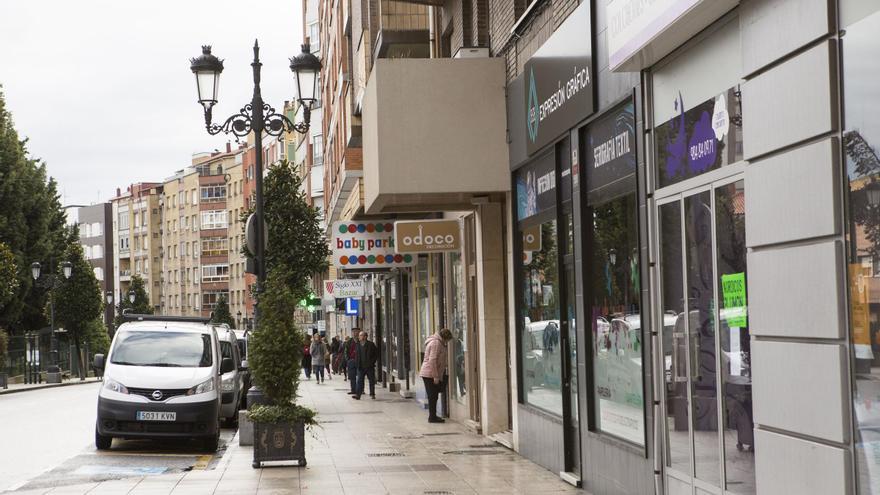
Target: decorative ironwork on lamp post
(51,281)
(257,117)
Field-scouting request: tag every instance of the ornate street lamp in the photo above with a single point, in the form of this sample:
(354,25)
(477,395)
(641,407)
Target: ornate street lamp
(109,297)
(131,296)
(257,117)
(67,268)
(51,281)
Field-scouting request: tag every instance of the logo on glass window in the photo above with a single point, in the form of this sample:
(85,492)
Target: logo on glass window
(532,108)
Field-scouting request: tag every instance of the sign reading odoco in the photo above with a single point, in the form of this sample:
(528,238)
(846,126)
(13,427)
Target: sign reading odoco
(559,81)
(366,245)
(427,236)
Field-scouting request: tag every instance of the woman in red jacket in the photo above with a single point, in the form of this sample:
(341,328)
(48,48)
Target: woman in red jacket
(433,369)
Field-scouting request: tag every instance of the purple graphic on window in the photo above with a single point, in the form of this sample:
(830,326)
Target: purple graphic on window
(701,148)
(676,149)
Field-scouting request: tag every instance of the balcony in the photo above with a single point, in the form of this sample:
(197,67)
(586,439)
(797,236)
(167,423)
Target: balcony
(124,275)
(424,147)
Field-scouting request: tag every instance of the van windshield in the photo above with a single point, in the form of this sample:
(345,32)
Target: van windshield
(169,349)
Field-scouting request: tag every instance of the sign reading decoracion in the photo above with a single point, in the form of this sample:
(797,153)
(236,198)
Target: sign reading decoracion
(366,245)
(427,236)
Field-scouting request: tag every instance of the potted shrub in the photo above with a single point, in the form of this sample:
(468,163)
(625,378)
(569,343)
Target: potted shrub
(274,354)
(4,345)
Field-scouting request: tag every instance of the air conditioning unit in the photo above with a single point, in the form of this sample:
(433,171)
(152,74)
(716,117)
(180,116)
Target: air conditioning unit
(465,52)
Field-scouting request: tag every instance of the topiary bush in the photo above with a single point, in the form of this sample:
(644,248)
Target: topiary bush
(4,347)
(274,353)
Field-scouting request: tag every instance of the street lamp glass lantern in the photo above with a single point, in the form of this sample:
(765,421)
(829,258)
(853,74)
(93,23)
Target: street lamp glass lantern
(109,297)
(35,270)
(131,296)
(306,68)
(67,268)
(207,69)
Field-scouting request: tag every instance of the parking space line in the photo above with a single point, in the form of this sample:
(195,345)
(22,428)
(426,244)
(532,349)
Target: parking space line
(202,462)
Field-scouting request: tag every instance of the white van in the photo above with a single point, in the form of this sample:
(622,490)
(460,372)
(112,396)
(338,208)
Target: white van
(161,380)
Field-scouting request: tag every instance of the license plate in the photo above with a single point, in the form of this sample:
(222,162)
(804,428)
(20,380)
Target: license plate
(156,416)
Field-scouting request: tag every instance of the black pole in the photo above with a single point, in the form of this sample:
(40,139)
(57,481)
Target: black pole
(257,126)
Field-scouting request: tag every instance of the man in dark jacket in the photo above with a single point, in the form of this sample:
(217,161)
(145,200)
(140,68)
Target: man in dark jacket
(367,355)
(349,349)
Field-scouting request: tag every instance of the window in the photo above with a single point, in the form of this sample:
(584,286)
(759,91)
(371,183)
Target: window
(213,193)
(215,273)
(123,244)
(87,252)
(99,273)
(215,246)
(210,298)
(137,217)
(214,219)
(97,251)
(314,37)
(318,149)
(123,220)
(179,349)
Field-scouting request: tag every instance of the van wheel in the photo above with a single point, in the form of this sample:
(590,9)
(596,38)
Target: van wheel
(211,444)
(102,442)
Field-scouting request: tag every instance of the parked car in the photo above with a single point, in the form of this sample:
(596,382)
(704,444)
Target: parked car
(244,369)
(162,379)
(231,385)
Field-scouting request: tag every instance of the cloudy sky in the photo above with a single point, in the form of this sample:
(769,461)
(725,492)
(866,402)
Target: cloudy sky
(103,91)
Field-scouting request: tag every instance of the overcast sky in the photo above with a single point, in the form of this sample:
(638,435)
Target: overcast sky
(103,91)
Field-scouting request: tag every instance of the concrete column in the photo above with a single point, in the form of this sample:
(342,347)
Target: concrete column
(491,318)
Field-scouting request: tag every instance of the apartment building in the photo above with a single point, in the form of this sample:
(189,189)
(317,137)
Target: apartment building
(181,288)
(137,240)
(96,237)
(239,295)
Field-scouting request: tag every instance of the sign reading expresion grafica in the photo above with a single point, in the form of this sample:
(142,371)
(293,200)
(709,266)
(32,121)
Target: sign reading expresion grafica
(559,81)
(369,244)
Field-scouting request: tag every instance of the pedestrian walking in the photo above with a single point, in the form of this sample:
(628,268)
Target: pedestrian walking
(334,355)
(328,358)
(367,355)
(307,361)
(351,361)
(434,369)
(317,350)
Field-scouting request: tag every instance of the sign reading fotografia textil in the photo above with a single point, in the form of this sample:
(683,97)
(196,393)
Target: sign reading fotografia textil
(611,148)
(365,245)
(559,81)
(427,236)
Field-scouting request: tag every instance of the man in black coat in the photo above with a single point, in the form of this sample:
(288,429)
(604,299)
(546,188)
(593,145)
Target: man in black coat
(367,355)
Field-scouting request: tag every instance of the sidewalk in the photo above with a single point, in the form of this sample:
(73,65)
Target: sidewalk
(383,446)
(24,387)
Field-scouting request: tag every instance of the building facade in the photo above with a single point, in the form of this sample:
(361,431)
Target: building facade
(137,240)
(96,237)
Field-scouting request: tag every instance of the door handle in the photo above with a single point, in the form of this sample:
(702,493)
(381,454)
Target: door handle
(678,341)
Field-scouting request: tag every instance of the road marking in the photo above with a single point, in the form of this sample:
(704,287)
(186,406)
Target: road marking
(146,454)
(202,462)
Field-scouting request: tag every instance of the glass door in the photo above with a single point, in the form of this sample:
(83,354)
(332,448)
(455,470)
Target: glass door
(705,341)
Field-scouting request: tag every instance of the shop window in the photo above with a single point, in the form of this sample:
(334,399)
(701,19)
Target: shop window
(861,139)
(613,282)
(540,334)
(458,324)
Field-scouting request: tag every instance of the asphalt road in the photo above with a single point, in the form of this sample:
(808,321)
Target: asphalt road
(47,439)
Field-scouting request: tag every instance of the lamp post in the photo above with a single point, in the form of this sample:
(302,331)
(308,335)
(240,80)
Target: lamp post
(131,296)
(257,117)
(108,296)
(51,281)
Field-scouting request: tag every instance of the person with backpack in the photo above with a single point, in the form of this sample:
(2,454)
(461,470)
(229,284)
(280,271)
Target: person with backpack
(434,369)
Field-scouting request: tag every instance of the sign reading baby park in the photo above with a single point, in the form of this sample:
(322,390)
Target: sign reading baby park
(366,245)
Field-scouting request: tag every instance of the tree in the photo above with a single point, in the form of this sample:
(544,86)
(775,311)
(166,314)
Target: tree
(8,276)
(141,305)
(297,247)
(221,313)
(97,337)
(32,225)
(78,299)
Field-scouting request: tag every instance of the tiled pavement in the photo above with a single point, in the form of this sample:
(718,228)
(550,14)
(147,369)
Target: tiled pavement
(383,446)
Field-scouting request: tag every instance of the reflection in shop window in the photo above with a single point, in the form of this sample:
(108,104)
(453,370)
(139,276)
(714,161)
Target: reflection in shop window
(458,324)
(860,140)
(540,332)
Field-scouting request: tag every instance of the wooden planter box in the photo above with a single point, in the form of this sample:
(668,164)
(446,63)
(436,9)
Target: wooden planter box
(279,442)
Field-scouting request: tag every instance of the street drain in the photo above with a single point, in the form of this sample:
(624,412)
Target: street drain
(441,434)
(407,437)
(473,452)
(386,454)
(438,492)
(329,421)
(483,446)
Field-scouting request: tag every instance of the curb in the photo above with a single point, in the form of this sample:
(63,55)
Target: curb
(47,385)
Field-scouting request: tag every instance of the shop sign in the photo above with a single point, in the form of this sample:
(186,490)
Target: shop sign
(632,24)
(559,81)
(703,138)
(322,326)
(427,236)
(347,287)
(366,245)
(611,147)
(536,187)
(532,238)
(733,289)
